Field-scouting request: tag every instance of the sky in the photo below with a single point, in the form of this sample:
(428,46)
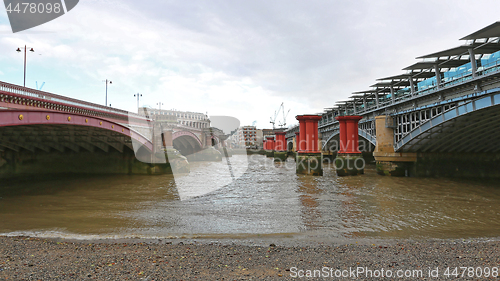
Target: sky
(238,58)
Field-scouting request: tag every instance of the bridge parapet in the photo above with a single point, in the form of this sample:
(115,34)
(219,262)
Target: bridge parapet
(18,96)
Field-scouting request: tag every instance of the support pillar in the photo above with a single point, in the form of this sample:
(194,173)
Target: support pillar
(393,97)
(438,76)
(412,87)
(389,162)
(342,137)
(302,136)
(309,159)
(472,57)
(280,153)
(177,162)
(270,147)
(167,139)
(295,145)
(349,159)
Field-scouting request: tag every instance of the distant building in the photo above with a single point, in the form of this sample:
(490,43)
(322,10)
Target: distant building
(260,138)
(181,118)
(271,132)
(246,136)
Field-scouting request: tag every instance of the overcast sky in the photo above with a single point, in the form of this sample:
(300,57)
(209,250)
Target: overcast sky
(234,58)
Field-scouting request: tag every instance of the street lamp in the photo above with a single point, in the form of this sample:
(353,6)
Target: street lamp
(159,104)
(107,81)
(138,96)
(19,50)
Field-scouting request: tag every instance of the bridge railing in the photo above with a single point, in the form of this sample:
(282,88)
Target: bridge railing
(405,94)
(28,92)
(488,68)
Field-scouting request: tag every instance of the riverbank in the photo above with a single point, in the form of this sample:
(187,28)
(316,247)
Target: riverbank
(25,258)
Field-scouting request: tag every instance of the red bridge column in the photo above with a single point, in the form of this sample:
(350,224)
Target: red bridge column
(349,138)
(349,160)
(280,153)
(301,144)
(269,146)
(342,136)
(297,138)
(309,158)
(280,141)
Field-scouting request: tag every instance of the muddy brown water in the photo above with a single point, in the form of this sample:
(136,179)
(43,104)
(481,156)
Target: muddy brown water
(250,197)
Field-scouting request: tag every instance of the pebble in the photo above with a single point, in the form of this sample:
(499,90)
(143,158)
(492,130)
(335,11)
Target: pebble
(25,258)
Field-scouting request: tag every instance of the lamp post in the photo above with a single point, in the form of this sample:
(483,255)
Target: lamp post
(25,49)
(159,123)
(159,104)
(137,95)
(107,81)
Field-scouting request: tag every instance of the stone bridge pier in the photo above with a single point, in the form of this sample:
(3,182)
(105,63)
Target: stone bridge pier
(388,161)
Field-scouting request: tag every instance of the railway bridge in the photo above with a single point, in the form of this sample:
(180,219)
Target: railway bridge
(440,117)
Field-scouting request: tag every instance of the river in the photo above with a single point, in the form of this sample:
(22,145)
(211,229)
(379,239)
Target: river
(250,197)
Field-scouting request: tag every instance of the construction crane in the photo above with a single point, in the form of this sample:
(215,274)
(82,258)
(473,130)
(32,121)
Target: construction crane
(39,89)
(276,113)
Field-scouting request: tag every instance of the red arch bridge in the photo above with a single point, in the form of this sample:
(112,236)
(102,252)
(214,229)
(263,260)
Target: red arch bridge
(44,132)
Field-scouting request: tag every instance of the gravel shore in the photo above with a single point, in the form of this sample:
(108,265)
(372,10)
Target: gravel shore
(25,258)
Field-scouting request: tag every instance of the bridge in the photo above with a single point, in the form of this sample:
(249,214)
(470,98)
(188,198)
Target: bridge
(43,132)
(440,117)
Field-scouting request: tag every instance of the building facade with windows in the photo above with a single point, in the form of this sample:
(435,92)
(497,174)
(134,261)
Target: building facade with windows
(246,136)
(189,119)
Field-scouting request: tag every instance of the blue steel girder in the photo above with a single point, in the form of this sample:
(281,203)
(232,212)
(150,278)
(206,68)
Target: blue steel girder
(467,127)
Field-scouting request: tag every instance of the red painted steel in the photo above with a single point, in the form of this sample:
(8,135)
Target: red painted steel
(308,137)
(280,141)
(270,143)
(349,139)
(32,117)
(297,140)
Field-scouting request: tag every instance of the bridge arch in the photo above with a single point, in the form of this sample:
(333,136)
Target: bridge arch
(214,141)
(39,142)
(45,131)
(470,127)
(186,142)
(366,140)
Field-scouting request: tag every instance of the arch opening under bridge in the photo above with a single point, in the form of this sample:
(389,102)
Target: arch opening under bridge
(366,142)
(186,142)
